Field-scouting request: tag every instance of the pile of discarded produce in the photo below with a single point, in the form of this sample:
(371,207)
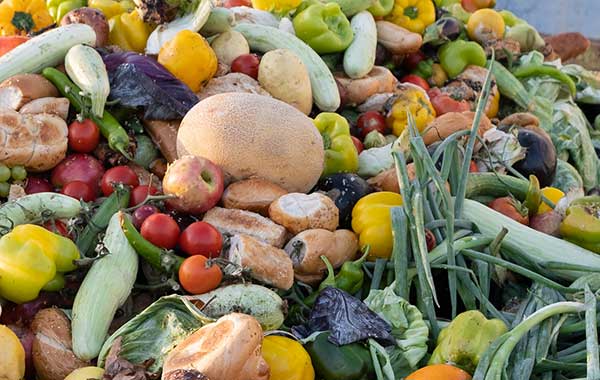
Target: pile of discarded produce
(295,190)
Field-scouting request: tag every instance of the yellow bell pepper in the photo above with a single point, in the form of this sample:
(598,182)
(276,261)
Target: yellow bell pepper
(129,32)
(493,105)
(12,355)
(30,258)
(20,17)
(416,102)
(414,15)
(287,359)
(279,7)
(372,221)
(553,194)
(190,58)
(112,8)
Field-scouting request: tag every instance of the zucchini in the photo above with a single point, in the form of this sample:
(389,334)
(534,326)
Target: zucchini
(496,186)
(87,70)
(255,300)
(530,245)
(265,38)
(34,207)
(219,21)
(46,50)
(105,287)
(359,57)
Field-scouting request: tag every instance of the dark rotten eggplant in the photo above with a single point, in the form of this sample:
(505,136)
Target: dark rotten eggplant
(345,189)
(540,155)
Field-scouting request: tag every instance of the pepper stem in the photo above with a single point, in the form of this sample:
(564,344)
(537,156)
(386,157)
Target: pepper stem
(330,279)
(363,257)
(411,12)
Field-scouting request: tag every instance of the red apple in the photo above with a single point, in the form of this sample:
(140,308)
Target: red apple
(196,182)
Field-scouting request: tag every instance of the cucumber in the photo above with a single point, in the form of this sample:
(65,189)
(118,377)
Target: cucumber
(46,50)
(255,300)
(265,38)
(219,21)
(103,290)
(359,57)
(32,208)
(352,7)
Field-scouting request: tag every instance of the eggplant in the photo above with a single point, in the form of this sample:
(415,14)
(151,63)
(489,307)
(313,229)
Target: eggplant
(540,155)
(443,30)
(345,189)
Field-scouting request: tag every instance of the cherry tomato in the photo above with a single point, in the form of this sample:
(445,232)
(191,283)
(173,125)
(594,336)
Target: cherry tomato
(119,174)
(237,3)
(246,64)
(473,167)
(416,80)
(141,214)
(161,230)
(83,136)
(37,185)
(58,227)
(358,144)
(139,194)
(79,190)
(439,372)
(443,103)
(412,60)
(197,276)
(511,208)
(201,238)
(370,121)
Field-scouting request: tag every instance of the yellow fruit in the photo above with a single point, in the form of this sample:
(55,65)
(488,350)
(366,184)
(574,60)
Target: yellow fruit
(486,25)
(190,58)
(553,194)
(12,355)
(86,373)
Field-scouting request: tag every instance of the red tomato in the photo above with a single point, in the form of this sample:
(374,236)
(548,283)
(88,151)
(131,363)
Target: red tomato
(246,64)
(443,103)
(139,194)
(370,121)
(430,239)
(161,230)
(141,214)
(79,190)
(119,174)
(358,144)
(416,80)
(58,227)
(236,3)
(473,167)
(37,185)
(200,238)
(473,5)
(511,208)
(8,43)
(83,136)
(197,276)
(412,60)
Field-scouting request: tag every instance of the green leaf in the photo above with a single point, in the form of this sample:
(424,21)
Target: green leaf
(23,21)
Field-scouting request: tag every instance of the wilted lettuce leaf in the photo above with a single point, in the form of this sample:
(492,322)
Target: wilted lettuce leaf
(140,81)
(154,332)
(347,318)
(408,328)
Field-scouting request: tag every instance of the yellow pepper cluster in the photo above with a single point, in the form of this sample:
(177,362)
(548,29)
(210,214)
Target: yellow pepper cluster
(20,17)
(415,101)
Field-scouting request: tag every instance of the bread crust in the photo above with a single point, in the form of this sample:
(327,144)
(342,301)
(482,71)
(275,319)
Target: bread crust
(254,194)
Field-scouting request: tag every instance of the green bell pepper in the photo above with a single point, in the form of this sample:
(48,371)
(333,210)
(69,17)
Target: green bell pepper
(348,362)
(59,8)
(324,27)
(581,226)
(340,153)
(424,69)
(455,56)
(381,8)
(510,19)
(464,341)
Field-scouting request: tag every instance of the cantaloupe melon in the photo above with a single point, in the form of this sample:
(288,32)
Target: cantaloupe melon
(250,135)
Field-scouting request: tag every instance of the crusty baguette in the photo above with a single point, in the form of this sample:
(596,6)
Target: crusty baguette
(234,222)
(20,89)
(254,194)
(306,249)
(229,349)
(299,212)
(38,142)
(164,135)
(267,264)
(54,106)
